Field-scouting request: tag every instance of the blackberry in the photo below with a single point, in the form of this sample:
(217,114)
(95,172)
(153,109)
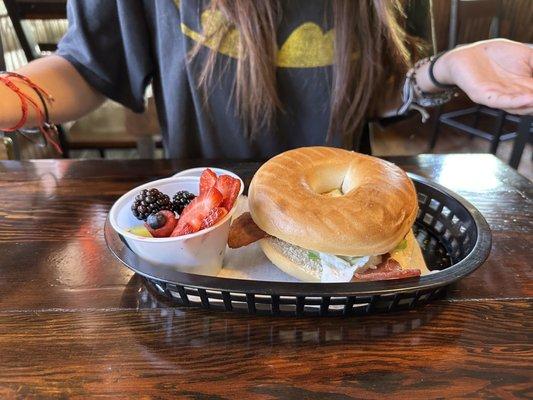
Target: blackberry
(181,200)
(150,201)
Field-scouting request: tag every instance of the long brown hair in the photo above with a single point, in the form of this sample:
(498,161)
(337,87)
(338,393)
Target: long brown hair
(372,52)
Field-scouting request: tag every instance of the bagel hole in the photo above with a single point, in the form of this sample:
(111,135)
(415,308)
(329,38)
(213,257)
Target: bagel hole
(331,180)
(326,181)
(337,192)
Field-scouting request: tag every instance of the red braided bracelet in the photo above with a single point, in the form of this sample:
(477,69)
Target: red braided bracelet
(30,83)
(45,127)
(23,104)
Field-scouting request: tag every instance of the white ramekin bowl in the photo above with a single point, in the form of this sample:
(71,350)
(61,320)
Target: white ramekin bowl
(198,253)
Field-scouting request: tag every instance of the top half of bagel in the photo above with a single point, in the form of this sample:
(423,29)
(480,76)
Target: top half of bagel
(376,206)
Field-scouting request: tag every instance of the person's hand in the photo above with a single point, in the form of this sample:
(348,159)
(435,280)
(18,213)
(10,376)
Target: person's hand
(496,73)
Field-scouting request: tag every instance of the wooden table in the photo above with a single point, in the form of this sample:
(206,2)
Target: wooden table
(75,323)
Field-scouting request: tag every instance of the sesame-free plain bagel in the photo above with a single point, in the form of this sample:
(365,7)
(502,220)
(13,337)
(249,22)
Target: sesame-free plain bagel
(375,209)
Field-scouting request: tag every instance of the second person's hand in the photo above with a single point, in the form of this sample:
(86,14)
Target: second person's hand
(496,73)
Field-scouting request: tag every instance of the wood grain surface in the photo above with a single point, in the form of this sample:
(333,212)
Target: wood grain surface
(74,323)
(515,22)
(192,354)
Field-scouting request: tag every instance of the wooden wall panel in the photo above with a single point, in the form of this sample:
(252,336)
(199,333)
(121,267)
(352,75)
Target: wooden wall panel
(516,23)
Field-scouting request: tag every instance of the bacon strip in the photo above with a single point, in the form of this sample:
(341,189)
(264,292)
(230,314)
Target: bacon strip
(244,231)
(388,269)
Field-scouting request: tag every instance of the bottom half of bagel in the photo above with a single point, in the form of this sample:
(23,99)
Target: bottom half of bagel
(405,261)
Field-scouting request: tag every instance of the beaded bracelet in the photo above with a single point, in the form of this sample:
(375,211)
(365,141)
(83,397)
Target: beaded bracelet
(415,99)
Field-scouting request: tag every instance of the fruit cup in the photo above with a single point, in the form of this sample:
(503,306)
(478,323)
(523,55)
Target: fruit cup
(201,252)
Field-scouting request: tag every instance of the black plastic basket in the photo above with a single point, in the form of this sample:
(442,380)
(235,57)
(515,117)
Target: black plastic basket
(454,237)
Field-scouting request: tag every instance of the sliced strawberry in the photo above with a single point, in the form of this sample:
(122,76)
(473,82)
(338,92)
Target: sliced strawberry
(168,226)
(208,179)
(185,230)
(192,216)
(215,215)
(229,187)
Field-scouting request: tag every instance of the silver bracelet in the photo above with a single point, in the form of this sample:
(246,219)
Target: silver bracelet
(414,98)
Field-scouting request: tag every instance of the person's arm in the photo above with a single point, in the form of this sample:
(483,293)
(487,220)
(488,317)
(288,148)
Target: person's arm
(496,73)
(73,96)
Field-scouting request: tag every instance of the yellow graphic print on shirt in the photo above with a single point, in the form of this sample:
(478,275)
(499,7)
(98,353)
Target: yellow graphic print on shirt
(306,47)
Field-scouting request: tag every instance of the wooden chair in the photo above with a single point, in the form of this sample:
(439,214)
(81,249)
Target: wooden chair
(524,136)
(2,60)
(472,15)
(113,126)
(37,11)
(109,127)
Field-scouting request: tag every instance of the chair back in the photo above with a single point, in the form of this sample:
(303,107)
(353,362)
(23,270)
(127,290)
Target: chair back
(47,23)
(2,56)
(467,16)
(13,55)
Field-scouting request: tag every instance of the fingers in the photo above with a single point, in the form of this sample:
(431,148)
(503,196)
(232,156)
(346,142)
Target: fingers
(520,111)
(505,100)
(516,95)
(523,83)
(521,86)
(522,98)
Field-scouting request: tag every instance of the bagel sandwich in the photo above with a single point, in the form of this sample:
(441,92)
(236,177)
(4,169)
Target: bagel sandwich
(324,214)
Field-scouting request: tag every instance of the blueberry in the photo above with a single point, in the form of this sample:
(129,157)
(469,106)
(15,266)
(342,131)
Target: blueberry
(156,221)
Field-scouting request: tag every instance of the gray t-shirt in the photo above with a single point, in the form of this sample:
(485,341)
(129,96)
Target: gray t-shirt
(120,46)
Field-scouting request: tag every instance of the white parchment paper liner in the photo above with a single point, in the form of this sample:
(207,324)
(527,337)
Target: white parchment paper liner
(250,262)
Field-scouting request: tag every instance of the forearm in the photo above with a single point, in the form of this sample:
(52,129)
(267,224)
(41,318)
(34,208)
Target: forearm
(73,96)
(496,73)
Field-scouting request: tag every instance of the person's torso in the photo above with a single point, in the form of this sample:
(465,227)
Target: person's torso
(194,126)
